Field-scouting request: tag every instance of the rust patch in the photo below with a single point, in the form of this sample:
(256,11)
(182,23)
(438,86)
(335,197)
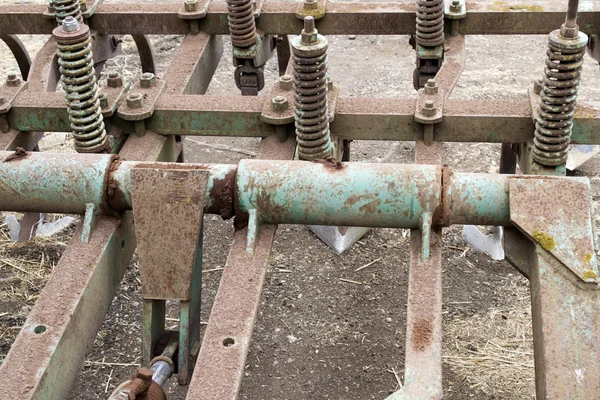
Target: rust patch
(330,163)
(422,334)
(546,241)
(19,154)
(370,207)
(222,195)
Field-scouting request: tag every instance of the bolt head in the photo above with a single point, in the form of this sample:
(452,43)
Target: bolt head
(286,82)
(70,24)
(431,87)
(310,4)
(191,5)
(135,100)
(13,80)
(147,80)
(115,80)
(279,104)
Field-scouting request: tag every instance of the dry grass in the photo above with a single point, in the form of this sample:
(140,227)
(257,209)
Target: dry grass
(24,270)
(493,352)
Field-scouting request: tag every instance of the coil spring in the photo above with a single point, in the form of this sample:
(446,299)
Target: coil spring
(557,108)
(242,27)
(430,22)
(66,8)
(310,99)
(78,80)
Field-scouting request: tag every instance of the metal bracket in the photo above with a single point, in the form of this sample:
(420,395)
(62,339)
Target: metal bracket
(168,209)
(9,92)
(272,116)
(556,214)
(113,96)
(259,53)
(197,11)
(150,94)
(429,109)
(314,8)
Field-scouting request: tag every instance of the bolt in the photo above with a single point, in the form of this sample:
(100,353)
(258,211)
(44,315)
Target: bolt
(455,6)
(569,32)
(431,87)
(310,4)
(309,33)
(286,82)
(147,80)
(538,85)
(103,100)
(51,9)
(428,109)
(13,80)
(70,24)
(134,100)
(191,5)
(115,80)
(279,104)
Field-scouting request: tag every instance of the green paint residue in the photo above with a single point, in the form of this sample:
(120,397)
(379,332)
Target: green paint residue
(545,240)
(503,6)
(587,258)
(589,274)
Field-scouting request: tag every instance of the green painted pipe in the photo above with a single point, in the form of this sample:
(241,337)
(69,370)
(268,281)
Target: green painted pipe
(281,192)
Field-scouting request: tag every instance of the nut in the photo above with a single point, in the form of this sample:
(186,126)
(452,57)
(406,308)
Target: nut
(428,109)
(147,80)
(455,6)
(70,24)
(569,32)
(279,104)
(191,5)
(431,87)
(115,80)
(310,4)
(13,80)
(103,100)
(135,100)
(538,85)
(286,82)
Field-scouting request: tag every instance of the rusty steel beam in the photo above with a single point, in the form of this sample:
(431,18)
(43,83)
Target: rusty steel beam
(44,359)
(278,18)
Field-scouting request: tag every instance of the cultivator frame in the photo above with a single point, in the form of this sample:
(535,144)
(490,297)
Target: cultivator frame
(549,235)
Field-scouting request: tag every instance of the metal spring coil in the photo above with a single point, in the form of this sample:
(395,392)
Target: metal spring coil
(242,27)
(66,8)
(557,108)
(78,80)
(311,112)
(430,22)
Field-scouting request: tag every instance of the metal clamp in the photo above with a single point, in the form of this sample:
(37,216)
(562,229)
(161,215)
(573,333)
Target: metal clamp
(142,98)
(311,8)
(249,79)
(429,108)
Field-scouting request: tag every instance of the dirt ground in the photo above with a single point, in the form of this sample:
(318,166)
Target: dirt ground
(317,336)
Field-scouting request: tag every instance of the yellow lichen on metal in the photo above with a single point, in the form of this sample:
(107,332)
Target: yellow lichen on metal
(587,258)
(589,274)
(545,240)
(503,6)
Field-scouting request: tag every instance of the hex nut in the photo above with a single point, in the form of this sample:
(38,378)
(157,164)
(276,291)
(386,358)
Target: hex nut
(310,4)
(13,80)
(191,5)
(431,87)
(286,82)
(428,109)
(568,32)
(135,100)
(115,80)
(279,104)
(103,100)
(70,24)
(455,6)
(147,80)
